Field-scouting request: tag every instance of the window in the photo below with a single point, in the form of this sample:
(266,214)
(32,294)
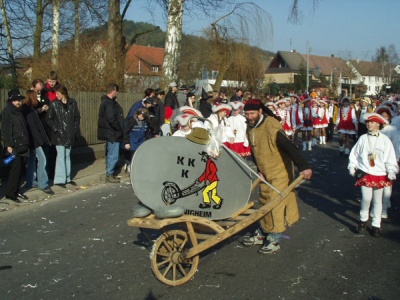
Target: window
(154,69)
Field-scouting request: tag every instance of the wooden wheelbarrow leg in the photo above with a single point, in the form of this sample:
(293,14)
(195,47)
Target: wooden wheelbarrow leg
(262,211)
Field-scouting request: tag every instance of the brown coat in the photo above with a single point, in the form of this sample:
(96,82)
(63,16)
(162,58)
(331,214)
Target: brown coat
(278,169)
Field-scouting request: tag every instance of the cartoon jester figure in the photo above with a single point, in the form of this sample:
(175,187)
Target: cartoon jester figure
(211,178)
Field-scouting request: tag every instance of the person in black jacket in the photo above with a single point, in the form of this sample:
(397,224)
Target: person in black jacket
(15,141)
(64,119)
(110,129)
(38,142)
(171,99)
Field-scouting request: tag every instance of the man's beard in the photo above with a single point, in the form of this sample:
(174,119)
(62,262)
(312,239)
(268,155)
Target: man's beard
(253,123)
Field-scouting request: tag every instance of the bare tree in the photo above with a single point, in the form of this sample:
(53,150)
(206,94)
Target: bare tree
(226,33)
(56,33)
(173,41)
(9,44)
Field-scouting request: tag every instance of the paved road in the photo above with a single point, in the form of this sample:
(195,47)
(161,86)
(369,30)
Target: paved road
(79,247)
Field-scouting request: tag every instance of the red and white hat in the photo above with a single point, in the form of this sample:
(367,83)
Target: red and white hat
(280,101)
(183,119)
(295,96)
(221,106)
(190,110)
(271,104)
(236,105)
(322,101)
(385,108)
(315,100)
(376,118)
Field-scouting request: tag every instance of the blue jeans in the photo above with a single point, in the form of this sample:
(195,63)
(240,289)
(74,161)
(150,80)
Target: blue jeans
(63,165)
(112,156)
(276,236)
(36,174)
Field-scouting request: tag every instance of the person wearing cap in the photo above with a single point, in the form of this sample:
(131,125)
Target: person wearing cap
(361,114)
(171,99)
(273,107)
(284,114)
(322,124)
(274,155)
(15,141)
(183,125)
(237,123)
(346,125)
(182,95)
(136,129)
(394,135)
(190,100)
(219,123)
(204,105)
(315,119)
(373,162)
(110,129)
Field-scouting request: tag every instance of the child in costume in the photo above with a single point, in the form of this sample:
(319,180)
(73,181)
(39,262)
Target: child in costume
(284,114)
(220,124)
(373,161)
(237,122)
(346,126)
(307,129)
(322,124)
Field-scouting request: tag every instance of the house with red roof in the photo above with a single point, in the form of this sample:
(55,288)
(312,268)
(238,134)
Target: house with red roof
(143,65)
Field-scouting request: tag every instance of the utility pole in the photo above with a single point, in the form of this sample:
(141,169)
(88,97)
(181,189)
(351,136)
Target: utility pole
(308,66)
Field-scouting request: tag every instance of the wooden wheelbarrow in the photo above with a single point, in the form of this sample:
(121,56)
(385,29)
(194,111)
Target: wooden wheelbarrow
(175,253)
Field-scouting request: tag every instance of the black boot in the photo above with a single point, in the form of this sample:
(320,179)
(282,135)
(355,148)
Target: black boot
(361,227)
(376,231)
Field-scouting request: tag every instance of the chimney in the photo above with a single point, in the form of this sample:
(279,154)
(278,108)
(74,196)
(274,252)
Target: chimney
(332,55)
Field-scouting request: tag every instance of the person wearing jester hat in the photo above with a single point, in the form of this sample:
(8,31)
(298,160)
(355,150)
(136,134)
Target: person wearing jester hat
(373,162)
(220,124)
(237,123)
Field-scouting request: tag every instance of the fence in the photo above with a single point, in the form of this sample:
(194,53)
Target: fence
(88,103)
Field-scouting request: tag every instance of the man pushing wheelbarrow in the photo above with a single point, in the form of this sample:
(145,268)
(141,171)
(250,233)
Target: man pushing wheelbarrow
(274,155)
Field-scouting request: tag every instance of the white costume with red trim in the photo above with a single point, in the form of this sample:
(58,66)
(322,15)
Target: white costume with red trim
(285,120)
(323,120)
(346,120)
(241,144)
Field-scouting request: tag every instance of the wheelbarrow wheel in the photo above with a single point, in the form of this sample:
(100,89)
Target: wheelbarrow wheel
(170,193)
(168,262)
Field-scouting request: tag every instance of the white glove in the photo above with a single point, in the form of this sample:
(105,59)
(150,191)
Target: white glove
(352,171)
(246,142)
(392,175)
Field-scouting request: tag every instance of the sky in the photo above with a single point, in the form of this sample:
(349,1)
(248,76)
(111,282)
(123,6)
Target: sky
(351,29)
